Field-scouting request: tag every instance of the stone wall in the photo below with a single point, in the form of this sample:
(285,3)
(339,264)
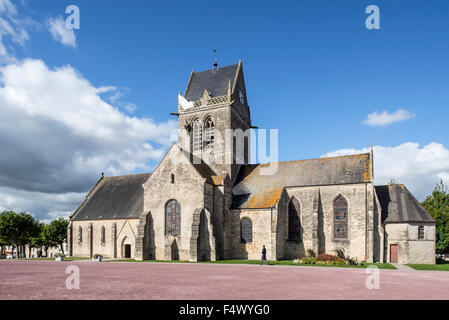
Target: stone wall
(262,235)
(118,233)
(410,248)
(188,189)
(321,218)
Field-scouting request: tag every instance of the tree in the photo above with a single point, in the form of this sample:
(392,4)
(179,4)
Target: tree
(58,232)
(40,240)
(9,229)
(433,203)
(17,230)
(46,238)
(28,228)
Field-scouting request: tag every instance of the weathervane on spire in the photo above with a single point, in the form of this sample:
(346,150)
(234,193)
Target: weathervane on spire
(215,65)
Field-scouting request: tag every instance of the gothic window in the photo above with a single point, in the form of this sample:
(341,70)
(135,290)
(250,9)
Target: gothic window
(246,230)
(421,233)
(173,218)
(294,223)
(209,134)
(103,234)
(340,218)
(197,136)
(80,234)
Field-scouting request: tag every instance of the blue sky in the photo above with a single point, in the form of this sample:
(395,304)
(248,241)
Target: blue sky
(312,70)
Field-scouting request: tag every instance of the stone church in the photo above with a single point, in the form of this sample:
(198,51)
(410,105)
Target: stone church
(205,201)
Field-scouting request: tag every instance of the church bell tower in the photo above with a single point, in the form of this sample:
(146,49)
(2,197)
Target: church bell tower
(214,119)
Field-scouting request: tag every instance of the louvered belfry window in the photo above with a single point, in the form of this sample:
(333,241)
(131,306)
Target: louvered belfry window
(197,136)
(340,218)
(294,223)
(246,230)
(209,134)
(173,218)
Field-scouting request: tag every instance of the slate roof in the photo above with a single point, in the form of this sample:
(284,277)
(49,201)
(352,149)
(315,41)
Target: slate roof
(254,190)
(114,198)
(399,205)
(215,81)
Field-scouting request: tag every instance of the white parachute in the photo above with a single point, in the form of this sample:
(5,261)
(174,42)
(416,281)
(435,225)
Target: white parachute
(184,103)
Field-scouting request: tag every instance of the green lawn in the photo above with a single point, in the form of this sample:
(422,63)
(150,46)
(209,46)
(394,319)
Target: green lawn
(430,267)
(282,262)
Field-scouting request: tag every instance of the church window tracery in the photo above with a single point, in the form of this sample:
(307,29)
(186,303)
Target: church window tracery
(340,218)
(209,134)
(173,218)
(197,136)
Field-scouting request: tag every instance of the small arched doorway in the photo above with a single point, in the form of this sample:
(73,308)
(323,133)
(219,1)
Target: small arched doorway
(127,252)
(174,251)
(126,248)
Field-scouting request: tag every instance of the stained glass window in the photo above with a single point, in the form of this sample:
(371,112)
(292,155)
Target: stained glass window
(173,218)
(340,218)
(294,223)
(246,230)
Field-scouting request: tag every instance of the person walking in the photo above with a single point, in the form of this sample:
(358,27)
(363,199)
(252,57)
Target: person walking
(264,255)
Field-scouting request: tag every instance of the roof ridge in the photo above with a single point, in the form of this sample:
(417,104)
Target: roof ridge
(128,175)
(209,70)
(324,158)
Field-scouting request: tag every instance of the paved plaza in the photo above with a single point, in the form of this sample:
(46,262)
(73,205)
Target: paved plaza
(185,281)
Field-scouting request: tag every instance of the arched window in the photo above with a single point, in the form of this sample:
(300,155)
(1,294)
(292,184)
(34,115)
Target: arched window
(294,223)
(80,234)
(173,218)
(103,235)
(246,230)
(197,136)
(340,218)
(209,134)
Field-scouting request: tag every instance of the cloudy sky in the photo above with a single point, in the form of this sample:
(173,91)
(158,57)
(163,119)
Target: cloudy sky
(75,103)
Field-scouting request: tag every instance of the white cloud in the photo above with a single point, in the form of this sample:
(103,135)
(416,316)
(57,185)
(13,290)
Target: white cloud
(45,206)
(7,7)
(11,28)
(61,33)
(419,168)
(130,107)
(57,135)
(384,119)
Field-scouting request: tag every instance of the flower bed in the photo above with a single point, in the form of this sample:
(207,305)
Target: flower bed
(329,259)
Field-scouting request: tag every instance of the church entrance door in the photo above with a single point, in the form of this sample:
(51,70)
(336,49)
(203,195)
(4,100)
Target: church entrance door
(127,251)
(394,253)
